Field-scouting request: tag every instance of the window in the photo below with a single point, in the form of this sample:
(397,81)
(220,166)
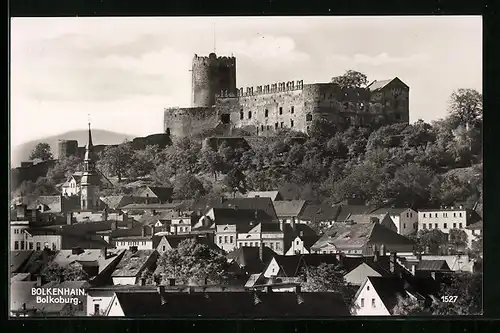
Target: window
(362,302)
(460,225)
(460,214)
(96,309)
(424,215)
(446,225)
(16,245)
(164,248)
(435,225)
(309,117)
(454,225)
(225,239)
(404,225)
(249,114)
(22,245)
(266,113)
(262,127)
(424,226)
(15,231)
(231,239)
(220,239)
(241,115)
(368,288)
(454,214)
(291,122)
(53,246)
(278,247)
(30,246)
(307,129)
(297,242)
(445,214)
(411,214)
(246,243)
(276,126)
(272,246)
(373,303)
(281,110)
(407,214)
(292,109)
(281,124)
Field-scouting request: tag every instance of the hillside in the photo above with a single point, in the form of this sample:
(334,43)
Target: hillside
(100,137)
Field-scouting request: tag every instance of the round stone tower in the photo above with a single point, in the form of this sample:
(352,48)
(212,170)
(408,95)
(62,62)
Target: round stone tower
(211,75)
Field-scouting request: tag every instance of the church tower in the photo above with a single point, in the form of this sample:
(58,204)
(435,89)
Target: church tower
(89,199)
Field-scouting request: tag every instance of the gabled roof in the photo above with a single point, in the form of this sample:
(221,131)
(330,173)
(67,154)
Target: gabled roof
(291,208)
(346,210)
(381,84)
(133,262)
(292,265)
(248,258)
(157,240)
(319,213)
(273,195)
(235,304)
(241,216)
(253,204)
(432,265)
(66,257)
(162,193)
(265,227)
(36,262)
(117,201)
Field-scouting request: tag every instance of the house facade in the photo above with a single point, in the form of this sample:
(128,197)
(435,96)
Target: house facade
(405,219)
(368,302)
(297,247)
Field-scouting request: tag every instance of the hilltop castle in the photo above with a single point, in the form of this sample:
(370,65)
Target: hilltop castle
(218,107)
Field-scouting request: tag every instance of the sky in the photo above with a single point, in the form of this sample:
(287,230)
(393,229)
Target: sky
(124,71)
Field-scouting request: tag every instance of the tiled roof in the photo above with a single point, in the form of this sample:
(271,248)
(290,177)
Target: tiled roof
(232,305)
(376,85)
(433,265)
(248,258)
(319,213)
(306,234)
(391,211)
(240,216)
(289,208)
(265,227)
(36,262)
(20,277)
(162,193)
(273,195)
(117,201)
(66,257)
(357,236)
(346,210)
(366,218)
(253,204)
(165,206)
(18,259)
(133,262)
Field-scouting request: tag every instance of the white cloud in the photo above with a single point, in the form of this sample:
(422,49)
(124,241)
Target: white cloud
(380,59)
(266,47)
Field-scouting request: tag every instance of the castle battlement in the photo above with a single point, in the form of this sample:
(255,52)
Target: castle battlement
(264,90)
(214,59)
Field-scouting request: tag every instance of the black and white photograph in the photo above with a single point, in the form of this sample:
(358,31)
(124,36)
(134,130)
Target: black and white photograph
(246,167)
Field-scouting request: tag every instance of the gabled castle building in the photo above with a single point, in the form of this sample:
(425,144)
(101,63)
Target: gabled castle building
(219,107)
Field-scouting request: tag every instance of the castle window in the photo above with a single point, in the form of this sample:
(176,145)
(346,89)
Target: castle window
(281,110)
(291,122)
(281,124)
(276,126)
(241,115)
(309,117)
(307,129)
(266,113)
(262,127)
(224,118)
(292,110)
(249,114)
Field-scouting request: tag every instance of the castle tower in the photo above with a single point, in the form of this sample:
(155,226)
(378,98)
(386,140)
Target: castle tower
(89,197)
(211,75)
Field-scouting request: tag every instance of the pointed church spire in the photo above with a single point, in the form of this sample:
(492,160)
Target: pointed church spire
(89,151)
(90,145)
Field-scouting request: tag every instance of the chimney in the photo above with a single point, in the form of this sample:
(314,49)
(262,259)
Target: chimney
(161,290)
(143,281)
(375,253)
(382,250)
(413,269)
(104,253)
(261,251)
(113,225)
(39,281)
(171,282)
(69,218)
(392,262)
(190,290)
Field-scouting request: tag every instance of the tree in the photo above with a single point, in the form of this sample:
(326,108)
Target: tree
(192,262)
(328,277)
(235,182)
(457,238)
(211,161)
(116,161)
(41,151)
(53,272)
(187,186)
(466,106)
(431,240)
(143,162)
(409,306)
(163,174)
(468,290)
(64,168)
(351,79)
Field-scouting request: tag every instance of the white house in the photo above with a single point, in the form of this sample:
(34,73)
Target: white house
(18,237)
(405,219)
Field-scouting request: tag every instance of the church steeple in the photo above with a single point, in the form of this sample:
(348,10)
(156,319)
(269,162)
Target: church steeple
(90,180)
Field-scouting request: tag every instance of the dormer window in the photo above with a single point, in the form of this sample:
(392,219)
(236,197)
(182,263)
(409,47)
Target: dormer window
(266,113)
